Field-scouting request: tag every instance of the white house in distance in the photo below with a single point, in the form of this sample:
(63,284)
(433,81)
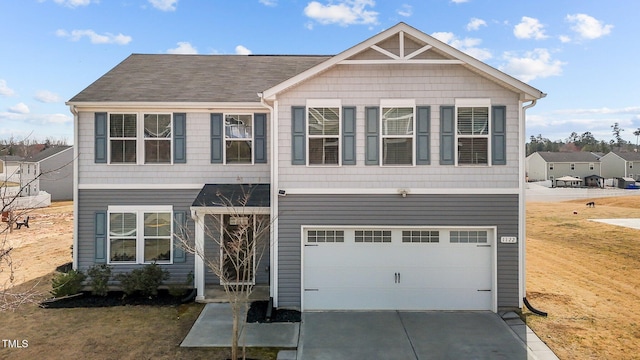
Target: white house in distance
(546,165)
(355,158)
(621,165)
(55,168)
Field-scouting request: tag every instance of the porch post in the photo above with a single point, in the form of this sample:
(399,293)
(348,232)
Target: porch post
(199,262)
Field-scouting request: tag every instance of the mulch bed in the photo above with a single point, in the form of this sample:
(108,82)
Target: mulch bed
(113,298)
(258,314)
(257,311)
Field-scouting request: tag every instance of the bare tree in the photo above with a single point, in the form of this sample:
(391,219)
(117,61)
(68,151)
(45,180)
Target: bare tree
(242,236)
(10,193)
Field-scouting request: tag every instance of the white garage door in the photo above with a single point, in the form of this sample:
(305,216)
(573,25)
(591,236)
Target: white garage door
(398,269)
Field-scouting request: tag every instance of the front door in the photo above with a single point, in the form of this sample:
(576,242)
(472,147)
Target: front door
(238,250)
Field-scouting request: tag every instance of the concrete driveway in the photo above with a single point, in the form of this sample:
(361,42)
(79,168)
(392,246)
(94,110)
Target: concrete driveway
(406,335)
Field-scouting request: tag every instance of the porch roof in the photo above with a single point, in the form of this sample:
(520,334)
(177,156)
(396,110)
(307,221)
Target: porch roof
(233,195)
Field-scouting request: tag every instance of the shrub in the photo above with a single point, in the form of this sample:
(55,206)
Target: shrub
(99,276)
(145,280)
(69,283)
(178,290)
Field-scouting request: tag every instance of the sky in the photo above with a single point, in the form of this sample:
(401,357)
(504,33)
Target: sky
(583,54)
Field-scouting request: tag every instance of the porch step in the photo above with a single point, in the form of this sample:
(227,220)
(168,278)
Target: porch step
(216,294)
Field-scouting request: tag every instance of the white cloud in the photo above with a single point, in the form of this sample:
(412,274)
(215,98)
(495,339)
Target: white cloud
(35,119)
(73,3)
(20,108)
(459,1)
(467,45)
(164,5)
(241,50)
(534,64)
(475,24)
(268,2)
(47,96)
(529,28)
(183,48)
(343,12)
(95,38)
(4,89)
(588,27)
(564,38)
(405,10)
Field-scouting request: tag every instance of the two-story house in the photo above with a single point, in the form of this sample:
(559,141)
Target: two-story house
(392,173)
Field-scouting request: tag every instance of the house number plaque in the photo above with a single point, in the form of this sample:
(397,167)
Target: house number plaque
(508,239)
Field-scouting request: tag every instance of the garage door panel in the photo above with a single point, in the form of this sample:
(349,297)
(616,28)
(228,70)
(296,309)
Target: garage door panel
(398,275)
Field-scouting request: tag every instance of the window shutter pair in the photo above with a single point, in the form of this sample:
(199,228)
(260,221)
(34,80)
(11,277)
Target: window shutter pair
(372,135)
(179,138)
(299,135)
(259,138)
(498,135)
(100,226)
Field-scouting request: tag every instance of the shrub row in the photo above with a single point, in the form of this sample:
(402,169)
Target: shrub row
(144,281)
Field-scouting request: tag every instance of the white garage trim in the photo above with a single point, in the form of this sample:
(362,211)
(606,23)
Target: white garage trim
(396,246)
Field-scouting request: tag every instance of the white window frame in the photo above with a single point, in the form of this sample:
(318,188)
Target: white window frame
(572,166)
(397,103)
(144,139)
(140,138)
(225,138)
(473,103)
(117,138)
(139,211)
(592,166)
(323,103)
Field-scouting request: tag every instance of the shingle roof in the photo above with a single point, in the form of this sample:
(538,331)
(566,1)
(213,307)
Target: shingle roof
(581,156)
(628,156)
(236,195)
(194,78)
(50,151)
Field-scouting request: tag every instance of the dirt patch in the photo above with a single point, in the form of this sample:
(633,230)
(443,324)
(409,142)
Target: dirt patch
(586,275)
(44,245)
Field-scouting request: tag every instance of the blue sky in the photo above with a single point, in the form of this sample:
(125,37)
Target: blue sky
(583,54)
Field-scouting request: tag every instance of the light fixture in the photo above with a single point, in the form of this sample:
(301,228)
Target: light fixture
(282,192)
(403,192)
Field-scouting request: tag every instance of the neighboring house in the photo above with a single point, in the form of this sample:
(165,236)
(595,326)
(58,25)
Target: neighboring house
(392,172)
(55,167)
(10,168)
(546,165)
(621,165)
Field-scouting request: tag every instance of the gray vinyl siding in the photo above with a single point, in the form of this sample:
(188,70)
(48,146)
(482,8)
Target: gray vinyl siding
(91,201)
(364,87)
(380,210)
(57,175)
(198,168)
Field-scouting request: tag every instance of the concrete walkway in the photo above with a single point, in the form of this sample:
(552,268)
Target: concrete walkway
(379,335)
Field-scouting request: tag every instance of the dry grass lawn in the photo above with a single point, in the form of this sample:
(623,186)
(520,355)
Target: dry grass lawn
(586,275)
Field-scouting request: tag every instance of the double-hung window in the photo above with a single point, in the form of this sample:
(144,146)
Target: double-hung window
(397,132)
(323,131)
(157,138)
(123,134)
(151,137)
(140,235)
(472,123)
(238,134)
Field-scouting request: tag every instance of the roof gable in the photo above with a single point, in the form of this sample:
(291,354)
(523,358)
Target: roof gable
(403,44)
(628,156)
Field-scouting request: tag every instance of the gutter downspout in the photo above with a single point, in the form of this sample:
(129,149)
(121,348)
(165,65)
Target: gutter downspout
(76,121)
(273,214)
(522,201)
